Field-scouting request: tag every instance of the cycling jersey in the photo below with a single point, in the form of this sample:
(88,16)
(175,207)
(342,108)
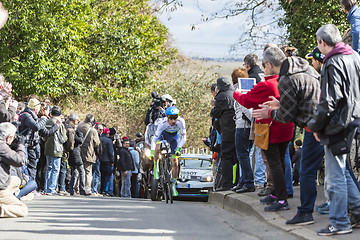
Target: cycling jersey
(163,125)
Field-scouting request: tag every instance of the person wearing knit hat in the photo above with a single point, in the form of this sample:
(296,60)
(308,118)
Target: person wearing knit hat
(33,126)
(54,151)
(34,104)
(106,131)
(124,138)
(112,131)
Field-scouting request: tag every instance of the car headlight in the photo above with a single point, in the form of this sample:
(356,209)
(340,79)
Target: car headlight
(147,153)
(206,179)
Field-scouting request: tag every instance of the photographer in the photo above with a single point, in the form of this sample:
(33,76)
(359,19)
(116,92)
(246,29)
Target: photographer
(10,206)
(31,126)
(156,109)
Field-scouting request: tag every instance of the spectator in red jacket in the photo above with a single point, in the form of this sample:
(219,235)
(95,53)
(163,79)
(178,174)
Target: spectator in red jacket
(280,133)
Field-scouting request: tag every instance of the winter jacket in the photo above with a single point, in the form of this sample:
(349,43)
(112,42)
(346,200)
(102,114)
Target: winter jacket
(33,127)
(299,88)
(340,92)
(107,155)
(354,19)
(6,114)
(224,109)
(260,93)
(9,157)
(254,73)
(54,144)
(125,162)
(76,138)
(91,141)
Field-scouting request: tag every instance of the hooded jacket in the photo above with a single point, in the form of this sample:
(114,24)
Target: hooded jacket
(340,92)
(299,88)
(279,132)
(224,109)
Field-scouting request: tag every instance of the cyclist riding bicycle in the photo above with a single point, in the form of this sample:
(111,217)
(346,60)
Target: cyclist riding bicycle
(170,128)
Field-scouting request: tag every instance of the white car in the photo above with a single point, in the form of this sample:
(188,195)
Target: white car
(196,175)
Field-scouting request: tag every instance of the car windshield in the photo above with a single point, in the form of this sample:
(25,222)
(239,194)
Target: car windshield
(196,163)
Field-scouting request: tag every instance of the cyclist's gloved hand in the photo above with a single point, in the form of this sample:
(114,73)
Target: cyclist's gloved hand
(178,152)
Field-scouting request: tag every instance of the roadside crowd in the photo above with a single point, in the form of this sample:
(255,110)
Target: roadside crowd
(322,100)
(44,152)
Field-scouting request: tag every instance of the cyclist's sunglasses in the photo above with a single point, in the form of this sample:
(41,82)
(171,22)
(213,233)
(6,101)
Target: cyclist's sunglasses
(172,116)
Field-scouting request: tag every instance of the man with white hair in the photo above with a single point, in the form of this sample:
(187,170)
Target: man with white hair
(336,111)
(10,206)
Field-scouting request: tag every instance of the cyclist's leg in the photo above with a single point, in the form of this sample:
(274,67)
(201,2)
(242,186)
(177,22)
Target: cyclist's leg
(156,161)
(174,142)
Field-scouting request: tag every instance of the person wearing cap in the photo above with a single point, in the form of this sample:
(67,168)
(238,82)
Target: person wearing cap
(31,126)
(317,58)
(115,138)
(54,151)
(106,163)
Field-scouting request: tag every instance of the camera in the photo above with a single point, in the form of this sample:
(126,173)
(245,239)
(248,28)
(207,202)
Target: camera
(157,101)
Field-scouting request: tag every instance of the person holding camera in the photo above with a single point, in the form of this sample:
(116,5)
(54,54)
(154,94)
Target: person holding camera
(31,126)
(10,206)
(156,109)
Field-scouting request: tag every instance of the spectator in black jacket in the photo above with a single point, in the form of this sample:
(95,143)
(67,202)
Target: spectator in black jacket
(115,138)
(224,111)
(250,64)
(31,126)
(126,165)
(106,163)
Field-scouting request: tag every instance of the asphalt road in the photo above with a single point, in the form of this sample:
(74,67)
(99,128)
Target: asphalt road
(54,217)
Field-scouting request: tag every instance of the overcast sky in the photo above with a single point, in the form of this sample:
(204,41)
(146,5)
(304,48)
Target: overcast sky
(209,39)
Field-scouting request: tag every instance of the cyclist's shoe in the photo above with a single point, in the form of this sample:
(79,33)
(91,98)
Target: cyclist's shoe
(174,192)
(156,170)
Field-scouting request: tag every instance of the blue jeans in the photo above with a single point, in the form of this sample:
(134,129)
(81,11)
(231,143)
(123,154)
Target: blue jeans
(310,162)
(52,173)
(288,173)
(95,176)
(62,176)
(343,193)
(260,168)
(126,185)
(242,147)
(28,188)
